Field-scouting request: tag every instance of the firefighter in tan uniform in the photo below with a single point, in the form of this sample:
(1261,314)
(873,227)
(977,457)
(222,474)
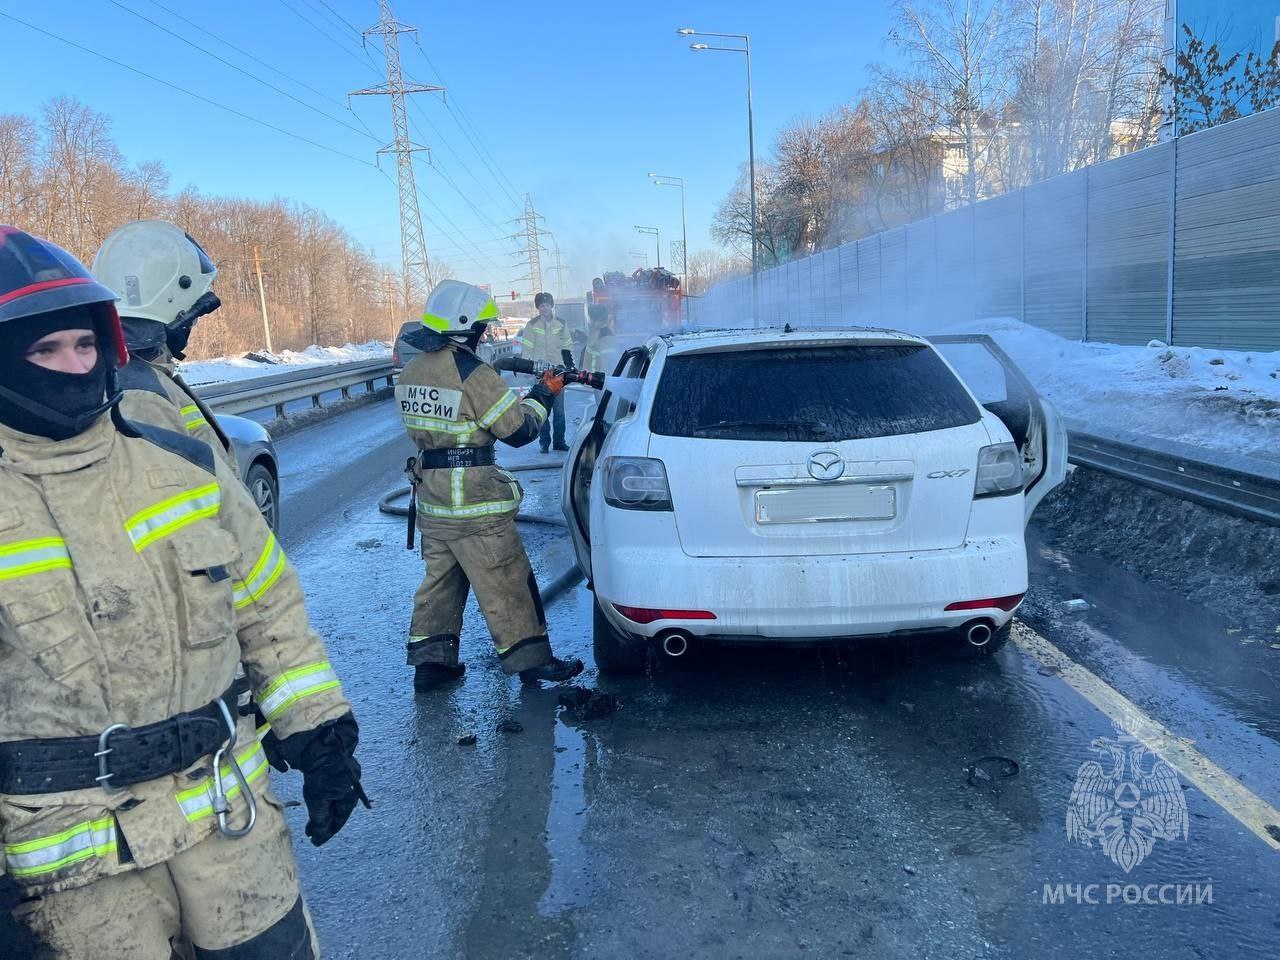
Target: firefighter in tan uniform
(136,815)
(163,278)
(455,407)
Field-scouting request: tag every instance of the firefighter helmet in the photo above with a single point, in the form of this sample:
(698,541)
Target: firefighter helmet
(38,277)
(163,277)
(455,307)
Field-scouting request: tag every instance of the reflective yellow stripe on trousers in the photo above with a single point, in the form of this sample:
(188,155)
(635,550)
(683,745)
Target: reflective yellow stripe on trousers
(95,838)
(170,515)
(26,557)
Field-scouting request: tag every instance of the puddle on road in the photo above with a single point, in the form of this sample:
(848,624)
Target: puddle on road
(570,885)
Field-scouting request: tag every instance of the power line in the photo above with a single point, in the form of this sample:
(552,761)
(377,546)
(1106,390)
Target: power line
(481,150)
(251,56)
(184,90)
(254,77)
(449,220)
(337,43)
(468,167)
(340,17)
(481,257)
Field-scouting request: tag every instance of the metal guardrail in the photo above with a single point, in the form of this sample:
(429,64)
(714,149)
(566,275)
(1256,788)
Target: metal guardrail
(275,390)
(1233,483)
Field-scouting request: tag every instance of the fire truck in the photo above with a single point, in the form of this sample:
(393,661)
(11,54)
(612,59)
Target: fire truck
(640,305)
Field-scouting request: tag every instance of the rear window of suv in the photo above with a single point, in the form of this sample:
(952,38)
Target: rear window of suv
(822,393)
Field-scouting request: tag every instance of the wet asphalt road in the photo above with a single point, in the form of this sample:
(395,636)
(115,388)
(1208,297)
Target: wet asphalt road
(763,803)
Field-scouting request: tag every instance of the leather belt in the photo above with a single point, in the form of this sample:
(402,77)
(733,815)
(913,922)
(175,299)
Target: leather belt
(451,457)
(120,755)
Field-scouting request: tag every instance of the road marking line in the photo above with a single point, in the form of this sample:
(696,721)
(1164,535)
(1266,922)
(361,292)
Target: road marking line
(1214,782)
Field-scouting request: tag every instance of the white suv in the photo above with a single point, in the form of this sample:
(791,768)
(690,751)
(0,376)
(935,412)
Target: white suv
(824,484)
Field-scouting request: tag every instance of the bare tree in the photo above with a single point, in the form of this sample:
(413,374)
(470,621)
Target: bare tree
(1208,90)
(959,48)
(19,142)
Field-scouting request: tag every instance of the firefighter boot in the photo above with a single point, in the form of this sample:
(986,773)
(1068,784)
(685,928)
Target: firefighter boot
(553,671)
(428,676)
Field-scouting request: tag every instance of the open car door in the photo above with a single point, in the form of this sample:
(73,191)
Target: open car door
(584,452)
(1002,388)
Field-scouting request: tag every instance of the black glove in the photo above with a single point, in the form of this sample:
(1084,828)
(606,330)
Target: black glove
(542,394)
(330,774)
(567,357)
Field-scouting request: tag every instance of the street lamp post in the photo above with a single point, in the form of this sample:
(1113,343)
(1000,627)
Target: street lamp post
(745,49)
(657,240)
(661,180)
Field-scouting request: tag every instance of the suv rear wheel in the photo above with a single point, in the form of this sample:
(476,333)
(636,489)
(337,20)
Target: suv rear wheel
(614,651)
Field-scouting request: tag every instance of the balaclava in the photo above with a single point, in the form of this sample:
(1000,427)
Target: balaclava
(50,403)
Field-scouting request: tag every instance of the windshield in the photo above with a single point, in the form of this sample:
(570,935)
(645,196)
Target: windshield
(826,393)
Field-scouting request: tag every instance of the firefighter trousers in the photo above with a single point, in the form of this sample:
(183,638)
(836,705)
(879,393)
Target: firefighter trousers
(223,899)
(490,560)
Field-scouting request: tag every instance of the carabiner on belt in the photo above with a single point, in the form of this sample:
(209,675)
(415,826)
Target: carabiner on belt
(220,805)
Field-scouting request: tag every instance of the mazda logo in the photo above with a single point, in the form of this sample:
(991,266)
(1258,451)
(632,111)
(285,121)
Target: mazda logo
(826,465)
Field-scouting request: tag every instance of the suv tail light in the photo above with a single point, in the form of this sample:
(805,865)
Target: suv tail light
(646,615)
(999,471)
(994,603)
(636,483)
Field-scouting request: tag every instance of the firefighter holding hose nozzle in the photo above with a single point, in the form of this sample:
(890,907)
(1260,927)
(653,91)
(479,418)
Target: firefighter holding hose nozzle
(455,407)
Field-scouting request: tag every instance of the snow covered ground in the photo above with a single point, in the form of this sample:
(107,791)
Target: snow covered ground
(1219,399)
(238,368)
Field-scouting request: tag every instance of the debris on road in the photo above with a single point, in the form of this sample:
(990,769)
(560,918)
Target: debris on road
(582,703)
(1076,605)
(1048,670)
(467,740)
(991,769)
(507,725)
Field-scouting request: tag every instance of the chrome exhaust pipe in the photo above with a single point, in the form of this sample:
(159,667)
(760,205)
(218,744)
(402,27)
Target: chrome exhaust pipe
(674,644)
(979,634)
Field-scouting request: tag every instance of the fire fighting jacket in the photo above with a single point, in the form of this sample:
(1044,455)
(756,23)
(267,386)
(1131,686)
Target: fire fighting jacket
(448,398)
(155,394)
(132,581)
(545,340)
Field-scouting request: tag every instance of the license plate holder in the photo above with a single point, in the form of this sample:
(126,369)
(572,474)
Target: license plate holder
(827,503)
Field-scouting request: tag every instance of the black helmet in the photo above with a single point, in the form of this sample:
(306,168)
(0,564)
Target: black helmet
(37,276)
(43,288)
(541,298)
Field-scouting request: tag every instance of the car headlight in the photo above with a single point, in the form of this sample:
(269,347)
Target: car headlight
(636,483)
(999,471)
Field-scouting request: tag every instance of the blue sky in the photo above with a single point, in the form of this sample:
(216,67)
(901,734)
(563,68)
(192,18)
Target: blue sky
(575,101)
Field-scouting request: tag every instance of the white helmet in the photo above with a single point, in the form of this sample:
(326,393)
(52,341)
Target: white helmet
(162,276)
(454,306)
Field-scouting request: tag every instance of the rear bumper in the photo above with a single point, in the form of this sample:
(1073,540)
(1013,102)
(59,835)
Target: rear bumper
(809,598)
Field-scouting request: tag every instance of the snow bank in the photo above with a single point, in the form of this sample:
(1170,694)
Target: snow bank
(1219,399)
(242,368)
